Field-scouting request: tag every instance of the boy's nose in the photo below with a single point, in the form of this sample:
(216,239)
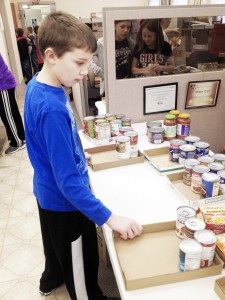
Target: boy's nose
(84,71)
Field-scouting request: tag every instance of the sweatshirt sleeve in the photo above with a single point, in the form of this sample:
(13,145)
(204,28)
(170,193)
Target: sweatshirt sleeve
(69,166)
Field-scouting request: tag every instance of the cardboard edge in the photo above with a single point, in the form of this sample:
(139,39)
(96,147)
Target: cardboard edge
(218,287)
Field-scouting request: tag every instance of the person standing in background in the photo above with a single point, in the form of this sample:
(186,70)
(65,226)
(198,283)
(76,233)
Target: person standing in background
(165,23)
(33,53)
(9,111)
(24,54)
(39,56)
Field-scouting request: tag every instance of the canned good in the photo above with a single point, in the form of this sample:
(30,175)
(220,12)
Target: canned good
(133,135)
(221,174)
(96,124)
(186,151)
(153,124)
(196,178)
(210,185)
(104,131)
(207,239)
(110,117)
(174,149)
(191,139)
(156,135)
(202,148)
(115,127)
(123,147)
(205,160)
(189,164)
(89,126)
(192,225)
(219,157)
(190,255)
(124,129)
(126,121)
(215,167)
(183,214)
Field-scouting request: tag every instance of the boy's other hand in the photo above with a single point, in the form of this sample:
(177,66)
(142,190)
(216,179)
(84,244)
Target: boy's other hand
(127,228)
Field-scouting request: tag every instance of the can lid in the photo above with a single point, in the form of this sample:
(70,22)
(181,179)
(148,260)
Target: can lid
(191,162)
(216,166)
(131,133)
(201,169)
(205,236)
(170,117)
(206,159)
(192,138)
(176,142)
(187,148)
(122,138)
(184,116)
(219,156)
(211,177)
(195,224)
(221,173)
(201,144)
(190,246)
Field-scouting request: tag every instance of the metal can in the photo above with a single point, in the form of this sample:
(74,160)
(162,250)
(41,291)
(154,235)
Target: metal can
(207,239)
(89,126)
(96,125)
(191,139)
(221,174)
(219,157)
(202,148)
(190,255)
(110,117)
(123,147)
(186,151)
(215,167)
(189,164)
(196,178)
(156,135)
(124,129)
(104,131)
(133,135)
(120,116)
(183,214)
(205,160)
(115,127)
(126,121)
(174,149)
(153,124)
(210,185)
(192,225)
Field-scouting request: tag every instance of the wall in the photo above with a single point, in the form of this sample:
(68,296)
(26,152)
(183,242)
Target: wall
(126,95)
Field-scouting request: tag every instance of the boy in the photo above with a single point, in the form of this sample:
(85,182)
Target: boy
(33,53)
(67,208)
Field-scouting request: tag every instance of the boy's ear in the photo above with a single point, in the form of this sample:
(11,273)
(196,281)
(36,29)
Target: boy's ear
(50,55)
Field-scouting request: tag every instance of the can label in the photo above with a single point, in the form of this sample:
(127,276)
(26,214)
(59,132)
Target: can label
(89,126)
(123,147)
(190,255)
(222,182)
(115,127)
(174,150)
(170,131)
(183,129)
(186,152)
(210,185)
(104,131)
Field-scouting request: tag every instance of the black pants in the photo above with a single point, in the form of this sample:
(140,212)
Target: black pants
(70,247)
(11,117)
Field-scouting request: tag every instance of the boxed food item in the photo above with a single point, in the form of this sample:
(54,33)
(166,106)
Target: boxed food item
(153,258)
(159,159)
(185,193)
(104,157)
(220,287)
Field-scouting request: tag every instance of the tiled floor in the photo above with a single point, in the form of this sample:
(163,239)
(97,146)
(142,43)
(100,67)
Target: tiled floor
(21,252)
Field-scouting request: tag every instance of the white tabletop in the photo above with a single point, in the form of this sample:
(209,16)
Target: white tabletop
(140,192)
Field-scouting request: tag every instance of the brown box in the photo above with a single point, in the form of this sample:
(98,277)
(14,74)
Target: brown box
(153,258)
(159,158)
(102,248)
(220,287)
(104,157)
(185,193)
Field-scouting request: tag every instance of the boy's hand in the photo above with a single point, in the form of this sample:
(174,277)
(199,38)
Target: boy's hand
(88,157)
(127,228)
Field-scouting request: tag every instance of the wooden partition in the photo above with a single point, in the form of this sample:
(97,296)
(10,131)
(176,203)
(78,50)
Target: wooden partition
(126,95)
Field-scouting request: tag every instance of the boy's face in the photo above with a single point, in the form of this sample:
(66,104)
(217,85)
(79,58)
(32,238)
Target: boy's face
(71,67)
(122,30)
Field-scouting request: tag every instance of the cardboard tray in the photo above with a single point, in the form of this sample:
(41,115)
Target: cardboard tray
(159,158)
(219,287)
(188,197)
(104,157)
(153,258)
(97,142)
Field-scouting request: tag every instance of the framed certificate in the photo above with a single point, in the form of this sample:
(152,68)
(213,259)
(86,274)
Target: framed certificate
(160,98)
(202,93)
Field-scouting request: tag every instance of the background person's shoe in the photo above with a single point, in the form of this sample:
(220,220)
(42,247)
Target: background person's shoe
(13,149)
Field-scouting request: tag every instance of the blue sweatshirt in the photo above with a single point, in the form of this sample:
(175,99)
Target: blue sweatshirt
(61,181)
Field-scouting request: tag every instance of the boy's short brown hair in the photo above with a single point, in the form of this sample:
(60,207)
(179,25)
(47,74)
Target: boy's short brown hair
(63,32)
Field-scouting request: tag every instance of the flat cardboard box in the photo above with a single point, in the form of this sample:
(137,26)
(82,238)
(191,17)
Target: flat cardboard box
(185,193)
(153,258)
(102,248)
(220,287)
(101,142)
(104,157)
(159,158)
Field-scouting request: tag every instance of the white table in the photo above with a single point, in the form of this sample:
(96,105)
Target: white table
(140,192)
